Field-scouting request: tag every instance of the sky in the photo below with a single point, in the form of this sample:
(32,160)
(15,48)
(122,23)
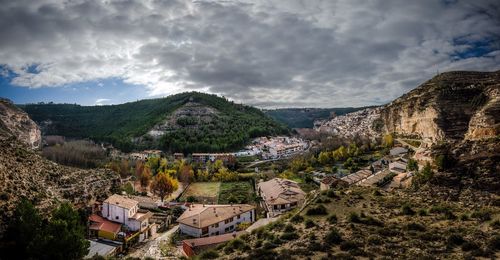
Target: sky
(266,53)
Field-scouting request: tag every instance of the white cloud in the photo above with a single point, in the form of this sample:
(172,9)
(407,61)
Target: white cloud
(102,101)
(268,53)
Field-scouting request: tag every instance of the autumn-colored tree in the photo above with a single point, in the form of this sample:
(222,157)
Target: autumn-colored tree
(145,177)
(139,168)
(163,185)
(186,173)
(388,141)
(124,168)
(323,158)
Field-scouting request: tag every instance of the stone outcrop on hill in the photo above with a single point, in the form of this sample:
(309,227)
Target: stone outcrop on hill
(25,174)
(14,121)
(452,106)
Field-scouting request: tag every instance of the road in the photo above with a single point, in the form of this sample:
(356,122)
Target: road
(152,247)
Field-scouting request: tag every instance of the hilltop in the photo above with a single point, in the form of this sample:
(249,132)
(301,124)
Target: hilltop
(186,122)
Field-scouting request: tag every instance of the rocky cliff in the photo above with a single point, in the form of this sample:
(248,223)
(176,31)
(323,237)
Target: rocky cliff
(25,174)
(453,106)
(14,121)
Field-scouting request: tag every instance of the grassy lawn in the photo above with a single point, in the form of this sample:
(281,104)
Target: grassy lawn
(236,192)
(206,192)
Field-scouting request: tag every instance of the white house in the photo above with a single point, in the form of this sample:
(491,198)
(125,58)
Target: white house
(126,211)
(201,220)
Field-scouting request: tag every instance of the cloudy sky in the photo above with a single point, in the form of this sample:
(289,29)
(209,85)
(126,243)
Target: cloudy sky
(268,53)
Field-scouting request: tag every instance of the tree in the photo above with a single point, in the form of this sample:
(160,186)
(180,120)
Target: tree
(164,185)
(388,140)
(412,165)
(323,158)
(139,168)
(26,223)
(64,236)
(426,173)
(186,173)
(145,177)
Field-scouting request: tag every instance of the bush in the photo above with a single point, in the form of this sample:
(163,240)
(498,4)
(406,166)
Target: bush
(422,212)
(407,210)
(494,243)
(318,210)
(309,223)
(495,224)
(363,219)
(482,215)
(333,237)
(289,236)
(469,246)
(210,254)
(415,227)
(464,217)
(235,244)
(455,240)
(332,219)
(289,228)
(375,240)
(354,217)
(348,245)
(331,194)
(297,219)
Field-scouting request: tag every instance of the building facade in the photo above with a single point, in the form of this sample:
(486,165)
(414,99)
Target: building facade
(280,195)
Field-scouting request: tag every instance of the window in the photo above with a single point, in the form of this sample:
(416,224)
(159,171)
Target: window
(216,225)
(229,220)
(238,217)
(116,217)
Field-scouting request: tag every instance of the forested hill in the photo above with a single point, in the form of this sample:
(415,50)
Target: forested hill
(186,122)
(305,117)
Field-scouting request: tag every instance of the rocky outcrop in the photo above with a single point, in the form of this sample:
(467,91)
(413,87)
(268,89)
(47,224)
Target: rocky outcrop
(25,174)
(359,123)
(16,122)
(453,106)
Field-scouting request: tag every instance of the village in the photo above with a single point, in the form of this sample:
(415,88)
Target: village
(203,213)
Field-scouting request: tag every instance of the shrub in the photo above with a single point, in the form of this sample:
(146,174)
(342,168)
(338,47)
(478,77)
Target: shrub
(376,193)
(415,226)
(289,228)
(363,219)
(289,236)
(233,245)
(469,246)
(210,254)
(318,210)
(348,245)
(464,217)
(354,217)
(375,240)
(297,219)
(422,212)
(455,240)
(333,237)
(332,219)
(309,223)
(495,224)
(331,194)
(483,215)
(494,243)
(407,210)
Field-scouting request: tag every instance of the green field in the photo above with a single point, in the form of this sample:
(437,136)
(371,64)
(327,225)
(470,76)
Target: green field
(236,192)
(204,192)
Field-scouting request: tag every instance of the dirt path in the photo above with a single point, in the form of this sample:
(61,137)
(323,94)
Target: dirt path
(152,247)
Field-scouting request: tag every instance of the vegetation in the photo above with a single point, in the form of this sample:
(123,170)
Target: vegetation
(231,128)
(29,236)
(236,192)
(163,185)
(84,154)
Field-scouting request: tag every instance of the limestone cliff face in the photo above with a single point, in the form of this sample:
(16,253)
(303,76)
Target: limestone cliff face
(16,122)
(452,106)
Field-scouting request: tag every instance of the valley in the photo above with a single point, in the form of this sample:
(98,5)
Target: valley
(199,176)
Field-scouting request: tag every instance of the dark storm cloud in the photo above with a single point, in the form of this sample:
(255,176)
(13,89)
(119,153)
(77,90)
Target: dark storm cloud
(266,53)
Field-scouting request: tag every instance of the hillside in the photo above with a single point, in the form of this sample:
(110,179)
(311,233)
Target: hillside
(305,117)
(186,122)
(25,174)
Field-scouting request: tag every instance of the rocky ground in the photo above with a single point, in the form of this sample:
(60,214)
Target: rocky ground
(25,174)
(366,223)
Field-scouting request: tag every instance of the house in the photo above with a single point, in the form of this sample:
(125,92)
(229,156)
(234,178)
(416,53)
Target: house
(280,195)
(397,166)
(100,248)
(126,211)
(226,158)
(201,220)
(178,156)
(357,176)
(192,247)
(100,227)
(397,151)
(330,182)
